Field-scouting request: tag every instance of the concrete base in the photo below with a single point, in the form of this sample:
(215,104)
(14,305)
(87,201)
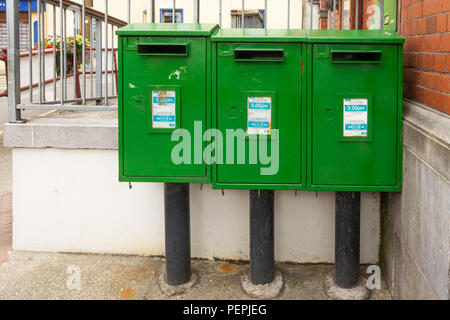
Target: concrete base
(169,290)
(360,292)
(263,291)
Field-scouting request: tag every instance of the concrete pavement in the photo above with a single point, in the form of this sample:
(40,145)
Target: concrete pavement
(86,276)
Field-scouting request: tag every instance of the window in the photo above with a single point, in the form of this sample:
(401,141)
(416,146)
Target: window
(252,19)
(166,16)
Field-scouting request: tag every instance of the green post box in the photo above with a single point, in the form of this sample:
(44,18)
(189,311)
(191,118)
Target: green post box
(258,95)
(355,110)
(164,85)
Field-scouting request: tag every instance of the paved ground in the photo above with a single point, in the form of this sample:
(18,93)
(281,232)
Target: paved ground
(50,275)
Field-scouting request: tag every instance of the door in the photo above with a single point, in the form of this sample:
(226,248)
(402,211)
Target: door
(259,90)
(164,86)
(354,115)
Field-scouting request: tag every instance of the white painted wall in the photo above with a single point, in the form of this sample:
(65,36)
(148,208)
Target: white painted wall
(71,201)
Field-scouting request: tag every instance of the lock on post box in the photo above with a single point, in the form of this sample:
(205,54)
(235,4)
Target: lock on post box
(164,85)
(258,108)
(356,110)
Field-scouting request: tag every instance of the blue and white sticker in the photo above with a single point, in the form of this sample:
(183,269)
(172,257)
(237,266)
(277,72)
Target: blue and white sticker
(355,117)
(163,109)
(259,115)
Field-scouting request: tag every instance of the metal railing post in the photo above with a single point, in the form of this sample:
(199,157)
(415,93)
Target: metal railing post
(42,26)
(196,11)
(65,54)
(128,12)
(30,53)
(91,57)
(39,45)
(98,61)
(173,11)
(61,50)
(311,15)
(220,13)
(74,51)
(83,50)
(265,14)
(54,52)
(112,61)
(243,14)
(334,14)
(357,15)
(381,4)
(152,11)
(12,20)
(289,14)
(106,53)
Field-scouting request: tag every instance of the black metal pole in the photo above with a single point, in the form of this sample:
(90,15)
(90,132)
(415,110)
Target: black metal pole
(262,260)
(348,207)
(178,237)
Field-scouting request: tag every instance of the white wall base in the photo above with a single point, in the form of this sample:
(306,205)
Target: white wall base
(70,200)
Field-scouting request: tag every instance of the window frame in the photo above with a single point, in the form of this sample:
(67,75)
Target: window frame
(163,10)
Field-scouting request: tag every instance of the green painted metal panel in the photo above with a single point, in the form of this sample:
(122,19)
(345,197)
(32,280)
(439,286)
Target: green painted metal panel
(169,73)
(275,77)
(354,86)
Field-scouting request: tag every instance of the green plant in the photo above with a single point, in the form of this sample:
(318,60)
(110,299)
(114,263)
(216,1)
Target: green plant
(50,42)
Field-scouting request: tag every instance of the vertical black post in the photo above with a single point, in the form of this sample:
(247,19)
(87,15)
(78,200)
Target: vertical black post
(348,207)
(178,237)
(262,260)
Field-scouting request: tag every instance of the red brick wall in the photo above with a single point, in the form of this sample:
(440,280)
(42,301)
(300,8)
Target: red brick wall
(323,22)
(426,26)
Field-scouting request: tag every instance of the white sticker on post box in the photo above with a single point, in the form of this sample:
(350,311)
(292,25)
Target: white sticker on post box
(259,115)
(355,117)
(163,109)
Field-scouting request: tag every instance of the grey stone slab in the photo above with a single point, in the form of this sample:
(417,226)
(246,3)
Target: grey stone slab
(409,282)
(66,130)
(426,133)
(17,135)
(424,221)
